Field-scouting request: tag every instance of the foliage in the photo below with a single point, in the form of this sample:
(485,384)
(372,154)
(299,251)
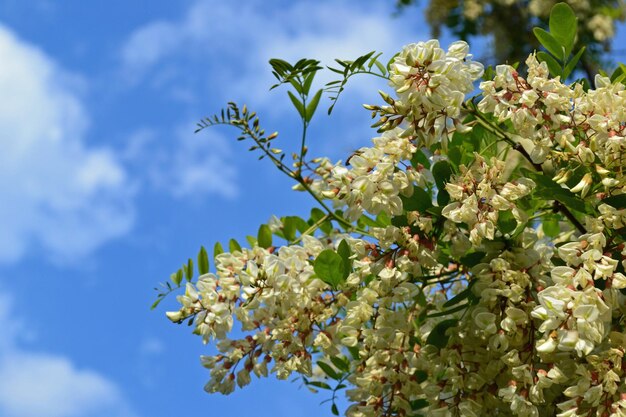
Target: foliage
(510,22)
(471,261)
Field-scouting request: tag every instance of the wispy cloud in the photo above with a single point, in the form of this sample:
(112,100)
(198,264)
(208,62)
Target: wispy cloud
(183,164)
(36,384)
(57,192)
(234,41)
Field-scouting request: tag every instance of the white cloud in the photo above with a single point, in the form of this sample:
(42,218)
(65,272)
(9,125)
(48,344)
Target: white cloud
(238,39)
(58,193)
(183,163)
(34,384)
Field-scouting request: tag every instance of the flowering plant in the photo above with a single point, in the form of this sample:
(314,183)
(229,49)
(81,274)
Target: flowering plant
(471,260)
(510,24)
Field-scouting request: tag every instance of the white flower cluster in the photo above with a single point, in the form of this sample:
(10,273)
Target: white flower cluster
(584,129)
(277,300)
(453,301)
(373,181)
(479,194)
(431,85)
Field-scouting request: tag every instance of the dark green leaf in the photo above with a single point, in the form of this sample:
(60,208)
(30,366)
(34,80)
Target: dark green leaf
(617,201)
(420,158)
(419,404)
(308,80)
(319,384)
(421,376)
(419,201)
(450,311)
(472,259)
(329,268)
(442,172)
(297,104)
(437,336)
(443,198)
(459,297)
(455,155)
(553,66)
(328,370)
(340,363)
(312,106)
(334,409)
(344,251)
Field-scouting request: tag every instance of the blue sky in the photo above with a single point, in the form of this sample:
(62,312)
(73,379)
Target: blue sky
(105,189)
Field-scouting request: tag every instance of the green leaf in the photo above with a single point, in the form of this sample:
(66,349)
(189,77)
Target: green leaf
(312,106)
(291,224)
(450,311)
(437,336)
(203,261)
(420,158)
(329,268)
(297,104)
(617,201)
(550,190)
(455,155)
(563,26)
(383,219)
(506,221)
(217,249)
(334,409)
(189,270)
(319,384)
(177,277)
(472,259)
(296,85)
(328,370)
(234,246)
(553,66)
(308,80)
(550,226)
(442,173)
(252,241)
(460,296)
(548,42)
(443,198)
(156,303)
(264,236)
(340,363)
(419,201)
(572,63)
(344,251)
(419,404)
(316,215)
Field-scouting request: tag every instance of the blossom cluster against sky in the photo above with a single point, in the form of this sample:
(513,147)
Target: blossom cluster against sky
(105,190)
